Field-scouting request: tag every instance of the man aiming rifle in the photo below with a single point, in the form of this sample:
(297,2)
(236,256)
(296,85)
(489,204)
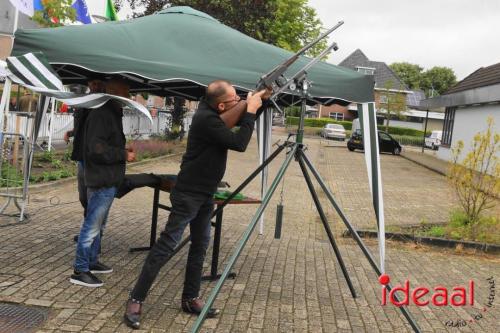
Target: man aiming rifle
(203,166)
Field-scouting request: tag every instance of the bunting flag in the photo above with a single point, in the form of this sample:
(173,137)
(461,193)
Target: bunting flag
(38,5)
(33,71)
(82,11)
(110,11)
(24,6)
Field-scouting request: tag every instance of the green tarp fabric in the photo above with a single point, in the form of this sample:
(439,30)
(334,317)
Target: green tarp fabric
(177,49)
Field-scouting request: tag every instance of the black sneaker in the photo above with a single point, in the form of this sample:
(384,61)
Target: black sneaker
(85,279)
(100,268)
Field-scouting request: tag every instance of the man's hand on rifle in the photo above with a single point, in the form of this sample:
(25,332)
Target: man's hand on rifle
(254,101)
(268,92)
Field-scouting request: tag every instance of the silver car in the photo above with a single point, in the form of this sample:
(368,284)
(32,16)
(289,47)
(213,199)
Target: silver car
(333,131)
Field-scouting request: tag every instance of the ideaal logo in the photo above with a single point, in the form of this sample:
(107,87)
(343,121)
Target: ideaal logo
(438,296)
(459,296)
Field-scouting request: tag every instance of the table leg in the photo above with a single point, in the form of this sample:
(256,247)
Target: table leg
(215,251)
(154,223)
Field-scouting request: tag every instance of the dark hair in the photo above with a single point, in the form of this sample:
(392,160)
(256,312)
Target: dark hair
(215,90)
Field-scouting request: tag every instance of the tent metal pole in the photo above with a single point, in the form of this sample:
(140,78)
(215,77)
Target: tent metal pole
(425,129)
(51,122)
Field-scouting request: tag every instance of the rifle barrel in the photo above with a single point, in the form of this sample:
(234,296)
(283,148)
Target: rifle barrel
(304,69)
(281,68)
(311,44)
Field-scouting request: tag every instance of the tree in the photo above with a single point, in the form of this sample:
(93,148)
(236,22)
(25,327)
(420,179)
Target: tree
(476,178)
(393,102)
(294,25)
(438,80)
(410,74)
(289,24)
(54,13)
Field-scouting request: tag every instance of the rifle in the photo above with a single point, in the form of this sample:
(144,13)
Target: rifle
(275,79)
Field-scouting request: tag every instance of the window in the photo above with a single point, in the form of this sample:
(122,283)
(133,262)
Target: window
(383,99)
(449,119)
(337,115)
(384,136)
(366,70)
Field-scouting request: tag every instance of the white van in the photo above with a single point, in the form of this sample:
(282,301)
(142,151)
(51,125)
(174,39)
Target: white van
(434,140)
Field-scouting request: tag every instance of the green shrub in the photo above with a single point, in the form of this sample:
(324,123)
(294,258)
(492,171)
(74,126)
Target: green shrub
(55,175)
(437,231)
(318,122)
(47,156)
(67,153)
(56,164)
(10,176)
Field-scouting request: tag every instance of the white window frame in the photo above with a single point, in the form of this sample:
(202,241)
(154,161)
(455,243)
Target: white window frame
(383,99)
(335,115)
(366,70)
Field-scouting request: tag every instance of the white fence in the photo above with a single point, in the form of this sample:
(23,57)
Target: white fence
(133,125)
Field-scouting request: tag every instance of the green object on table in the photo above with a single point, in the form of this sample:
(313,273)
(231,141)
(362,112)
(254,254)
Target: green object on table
(223,195)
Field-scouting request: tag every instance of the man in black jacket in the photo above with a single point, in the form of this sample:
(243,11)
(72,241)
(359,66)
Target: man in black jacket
(104,158)
(79,118)
(203,166)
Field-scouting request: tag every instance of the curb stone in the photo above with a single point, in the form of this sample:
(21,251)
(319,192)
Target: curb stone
(443,242)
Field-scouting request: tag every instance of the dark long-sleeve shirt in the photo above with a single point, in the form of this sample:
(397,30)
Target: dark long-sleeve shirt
(79,118)
(204,163)
(105,154)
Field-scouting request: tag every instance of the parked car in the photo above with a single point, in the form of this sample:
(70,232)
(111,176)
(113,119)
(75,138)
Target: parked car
(434,140)
(333,131)
(386,142)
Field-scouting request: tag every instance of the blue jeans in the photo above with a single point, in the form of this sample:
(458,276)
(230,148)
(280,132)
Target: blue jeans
(82,189)
(89,240)
(190,209)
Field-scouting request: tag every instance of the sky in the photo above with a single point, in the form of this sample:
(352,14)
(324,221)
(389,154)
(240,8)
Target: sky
(463,35)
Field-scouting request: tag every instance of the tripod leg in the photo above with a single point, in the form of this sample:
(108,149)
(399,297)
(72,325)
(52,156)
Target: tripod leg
(325,223)
(246,235)
(358,240)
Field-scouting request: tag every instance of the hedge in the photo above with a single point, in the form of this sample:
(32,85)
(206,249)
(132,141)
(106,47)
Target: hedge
(318,122)
(321,122)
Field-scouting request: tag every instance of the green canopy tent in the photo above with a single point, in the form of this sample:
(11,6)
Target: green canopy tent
(177,52)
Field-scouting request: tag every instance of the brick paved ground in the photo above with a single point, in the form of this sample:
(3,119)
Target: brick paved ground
(289,285)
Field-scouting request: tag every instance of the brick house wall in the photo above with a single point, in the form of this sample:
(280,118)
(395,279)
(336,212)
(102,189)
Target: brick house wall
(5,46)
(325,111)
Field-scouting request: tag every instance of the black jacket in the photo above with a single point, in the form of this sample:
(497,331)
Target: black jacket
(105,154)
(79,118)
(204,163)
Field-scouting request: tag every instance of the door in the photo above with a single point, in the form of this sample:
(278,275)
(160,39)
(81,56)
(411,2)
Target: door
(385,142)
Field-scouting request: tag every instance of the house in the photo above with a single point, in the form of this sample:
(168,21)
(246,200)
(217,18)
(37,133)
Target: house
(467,105)
(7,13)
(416,116)
(388,88)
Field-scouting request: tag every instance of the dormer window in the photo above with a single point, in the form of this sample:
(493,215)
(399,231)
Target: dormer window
(366,70)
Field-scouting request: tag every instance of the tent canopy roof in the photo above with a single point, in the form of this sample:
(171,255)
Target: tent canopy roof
(177,52)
